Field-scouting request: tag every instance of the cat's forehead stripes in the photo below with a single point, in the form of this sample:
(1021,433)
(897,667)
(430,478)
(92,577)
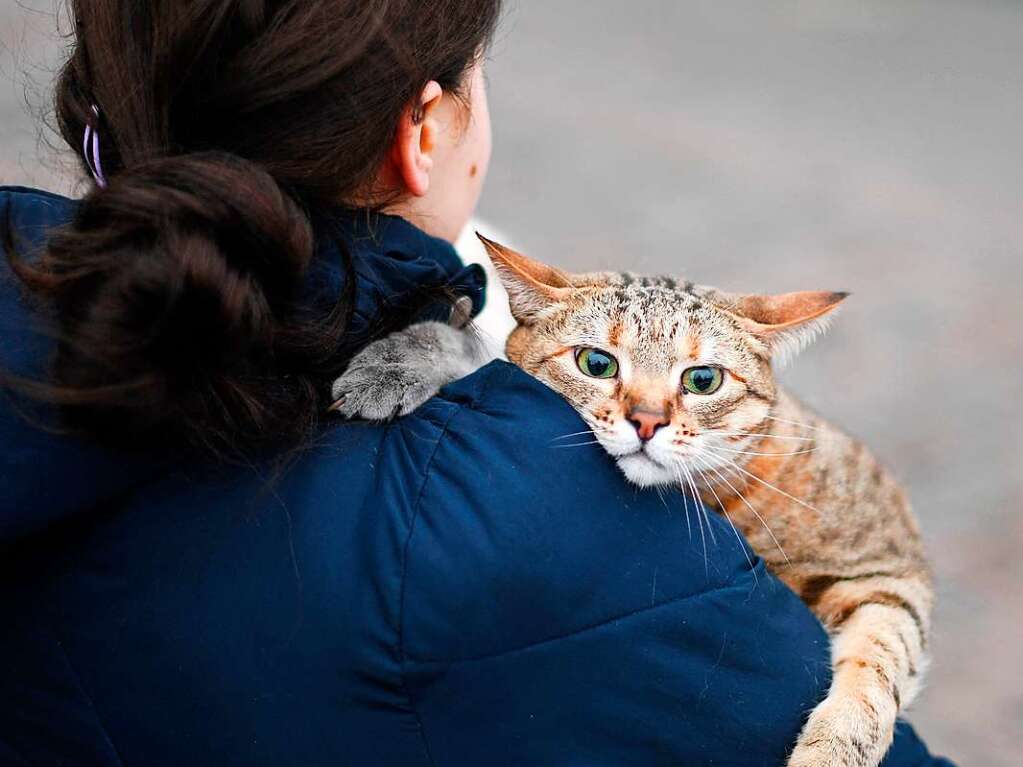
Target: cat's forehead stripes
(651,310)
(628,279)
(614,333)
(691,345)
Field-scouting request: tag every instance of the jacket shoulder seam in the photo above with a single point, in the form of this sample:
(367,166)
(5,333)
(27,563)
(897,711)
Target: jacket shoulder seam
(444,424)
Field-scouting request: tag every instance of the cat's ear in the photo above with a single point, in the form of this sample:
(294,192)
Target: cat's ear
(531,285)
(786,323)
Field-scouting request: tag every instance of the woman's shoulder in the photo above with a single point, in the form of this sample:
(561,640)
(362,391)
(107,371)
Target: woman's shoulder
(27,218)
(31,213)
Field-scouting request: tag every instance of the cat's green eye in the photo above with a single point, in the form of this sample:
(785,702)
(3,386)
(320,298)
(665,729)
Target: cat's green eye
(703,380)
(596,364)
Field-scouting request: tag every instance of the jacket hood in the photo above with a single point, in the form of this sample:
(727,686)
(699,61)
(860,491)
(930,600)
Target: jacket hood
(46,477)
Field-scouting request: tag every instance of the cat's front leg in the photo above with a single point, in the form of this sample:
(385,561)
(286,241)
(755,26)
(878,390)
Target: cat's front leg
(847,730)
(878,654)
(393,376)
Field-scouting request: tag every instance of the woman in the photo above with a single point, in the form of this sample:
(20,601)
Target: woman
(200,567)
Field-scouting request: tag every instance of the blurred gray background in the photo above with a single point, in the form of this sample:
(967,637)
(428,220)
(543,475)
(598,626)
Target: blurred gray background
(866,145)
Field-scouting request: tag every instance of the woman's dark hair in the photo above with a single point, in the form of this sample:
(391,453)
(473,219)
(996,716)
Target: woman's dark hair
(223,123)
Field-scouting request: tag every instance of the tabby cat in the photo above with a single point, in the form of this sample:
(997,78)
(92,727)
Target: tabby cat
(675,381)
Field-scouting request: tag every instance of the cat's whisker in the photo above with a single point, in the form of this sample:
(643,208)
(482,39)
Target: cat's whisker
(660,496)
(580,444)
(794,423)
(793,498)
(689,522)
(735,530)
(710,528)
(757,435)
(700,507)
(742,498)
(729,470)
(749,452)
(699,519)
(573,434)
(685,505)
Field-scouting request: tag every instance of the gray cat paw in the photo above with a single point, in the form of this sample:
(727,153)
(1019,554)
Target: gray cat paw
(393,376)
(380,392)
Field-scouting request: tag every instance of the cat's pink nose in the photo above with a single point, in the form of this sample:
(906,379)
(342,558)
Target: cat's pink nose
(647,423)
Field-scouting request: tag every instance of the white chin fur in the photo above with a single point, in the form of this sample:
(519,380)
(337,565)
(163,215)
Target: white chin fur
(643,471)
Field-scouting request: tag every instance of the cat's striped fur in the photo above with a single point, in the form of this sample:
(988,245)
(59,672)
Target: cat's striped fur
(827,518)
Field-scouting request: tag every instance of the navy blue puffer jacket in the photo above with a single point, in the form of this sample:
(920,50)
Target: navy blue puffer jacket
(448,590)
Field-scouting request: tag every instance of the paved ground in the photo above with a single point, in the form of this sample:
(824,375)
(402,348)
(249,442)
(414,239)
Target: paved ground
(849,144)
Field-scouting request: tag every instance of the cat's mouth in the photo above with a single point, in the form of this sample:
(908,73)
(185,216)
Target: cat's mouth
(645,451)
(645,470)
(645,455)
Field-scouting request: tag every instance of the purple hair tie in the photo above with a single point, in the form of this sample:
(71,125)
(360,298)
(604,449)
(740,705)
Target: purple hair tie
(90,149)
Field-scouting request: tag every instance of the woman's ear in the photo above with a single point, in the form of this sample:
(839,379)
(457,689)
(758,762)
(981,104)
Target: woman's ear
(532,286)
(415,139)
(785,323)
